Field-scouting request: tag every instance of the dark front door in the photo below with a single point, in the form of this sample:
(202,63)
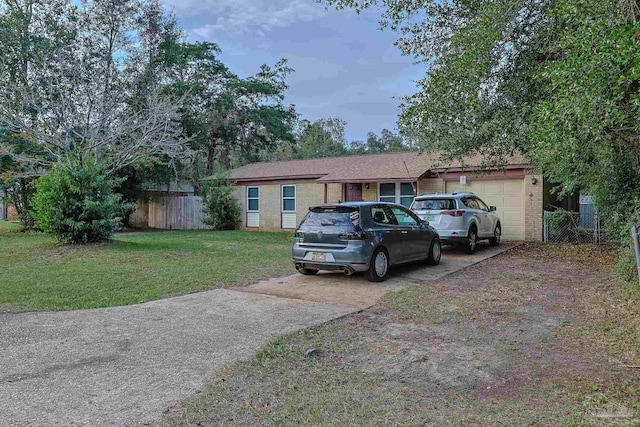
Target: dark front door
(354,192)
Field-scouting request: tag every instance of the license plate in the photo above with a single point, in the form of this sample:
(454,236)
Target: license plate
(318,256)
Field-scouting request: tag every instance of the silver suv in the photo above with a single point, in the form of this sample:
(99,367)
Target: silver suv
(459,218)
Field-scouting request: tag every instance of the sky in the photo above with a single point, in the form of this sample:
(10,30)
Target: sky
(345,67)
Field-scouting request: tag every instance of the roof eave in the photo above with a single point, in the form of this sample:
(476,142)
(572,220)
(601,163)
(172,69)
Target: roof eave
(275,178)
(368,179)
(478,168)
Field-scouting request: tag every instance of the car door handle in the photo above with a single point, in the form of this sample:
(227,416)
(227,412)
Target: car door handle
(404,232)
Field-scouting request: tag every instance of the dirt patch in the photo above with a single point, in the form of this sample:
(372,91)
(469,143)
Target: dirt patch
(539,336)
(331,288)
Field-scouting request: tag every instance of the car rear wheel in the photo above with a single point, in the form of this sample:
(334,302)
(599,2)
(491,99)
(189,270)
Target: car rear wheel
(472,241)
(307,271)
(435,252)
(497,234)
(379,266)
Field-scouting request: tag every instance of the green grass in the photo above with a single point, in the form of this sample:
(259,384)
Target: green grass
(38,274)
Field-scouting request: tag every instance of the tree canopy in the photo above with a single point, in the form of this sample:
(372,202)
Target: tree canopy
(555,81)
(117,82)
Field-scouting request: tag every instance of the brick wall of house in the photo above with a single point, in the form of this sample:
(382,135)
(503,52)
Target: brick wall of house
(334,193)
(270,207)
(371,194)
(431,185)
(307,194)
(533,210)
(239,193)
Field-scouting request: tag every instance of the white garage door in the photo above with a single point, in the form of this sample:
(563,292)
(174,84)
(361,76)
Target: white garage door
(507,195)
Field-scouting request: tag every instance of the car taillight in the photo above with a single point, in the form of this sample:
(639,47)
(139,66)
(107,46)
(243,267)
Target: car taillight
(354,235)
(452,213)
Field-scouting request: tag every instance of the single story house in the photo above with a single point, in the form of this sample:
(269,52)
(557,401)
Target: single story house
(277,195)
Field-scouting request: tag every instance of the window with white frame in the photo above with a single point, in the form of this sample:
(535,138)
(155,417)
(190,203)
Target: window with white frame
(396,192)
(288,198)
(387,192)
(253,199)
(406,194)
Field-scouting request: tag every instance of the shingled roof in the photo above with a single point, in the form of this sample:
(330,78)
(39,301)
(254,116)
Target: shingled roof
(366,168)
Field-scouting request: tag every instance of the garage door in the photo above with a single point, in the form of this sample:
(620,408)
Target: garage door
(507,195)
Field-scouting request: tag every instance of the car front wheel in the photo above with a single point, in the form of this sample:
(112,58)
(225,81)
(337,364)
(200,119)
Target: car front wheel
(379,266)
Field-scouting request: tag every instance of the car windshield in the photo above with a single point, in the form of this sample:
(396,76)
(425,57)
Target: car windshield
(433,205)
(334,216)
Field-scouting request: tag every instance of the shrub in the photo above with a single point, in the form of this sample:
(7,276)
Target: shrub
(220,208)
(76,203)
(20,194)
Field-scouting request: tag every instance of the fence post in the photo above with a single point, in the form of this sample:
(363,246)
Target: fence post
(636,245)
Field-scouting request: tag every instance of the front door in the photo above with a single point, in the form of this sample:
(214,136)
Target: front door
(354,192)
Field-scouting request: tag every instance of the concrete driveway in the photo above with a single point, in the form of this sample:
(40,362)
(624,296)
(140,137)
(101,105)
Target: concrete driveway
(356,292)
(125,366)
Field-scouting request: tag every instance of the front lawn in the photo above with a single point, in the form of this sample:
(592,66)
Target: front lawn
(38,274)
(539,336)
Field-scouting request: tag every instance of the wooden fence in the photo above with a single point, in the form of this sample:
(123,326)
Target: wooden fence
(169,213)
(3,205)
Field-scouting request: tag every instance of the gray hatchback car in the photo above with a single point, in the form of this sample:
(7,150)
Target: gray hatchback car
(363,237)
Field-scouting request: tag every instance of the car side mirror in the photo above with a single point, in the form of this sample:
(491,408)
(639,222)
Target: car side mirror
(492,208)
(424,223)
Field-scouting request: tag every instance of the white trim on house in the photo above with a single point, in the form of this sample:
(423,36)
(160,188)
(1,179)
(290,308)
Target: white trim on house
(253,198)
(253,215)
(294,198)
(253,219)
(288,218)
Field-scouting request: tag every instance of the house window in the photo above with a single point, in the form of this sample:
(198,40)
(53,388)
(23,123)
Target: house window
(288,198)
(388,192)
(396,192)
(253,199)
(406,194)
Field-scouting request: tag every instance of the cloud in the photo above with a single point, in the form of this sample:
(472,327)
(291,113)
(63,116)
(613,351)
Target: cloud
(244,16)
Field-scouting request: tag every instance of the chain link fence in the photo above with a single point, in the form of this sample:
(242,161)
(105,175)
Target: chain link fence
(563,226)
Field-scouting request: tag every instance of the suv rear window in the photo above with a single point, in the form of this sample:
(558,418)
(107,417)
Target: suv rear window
(334,216)
(434,204)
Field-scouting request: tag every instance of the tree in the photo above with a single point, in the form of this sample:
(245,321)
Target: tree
(481,55)
(249,116)
(222,211)
(586,128)
(231,120)
(30,32)
(322,138)
(75,202)
(386,143)
(81,107)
